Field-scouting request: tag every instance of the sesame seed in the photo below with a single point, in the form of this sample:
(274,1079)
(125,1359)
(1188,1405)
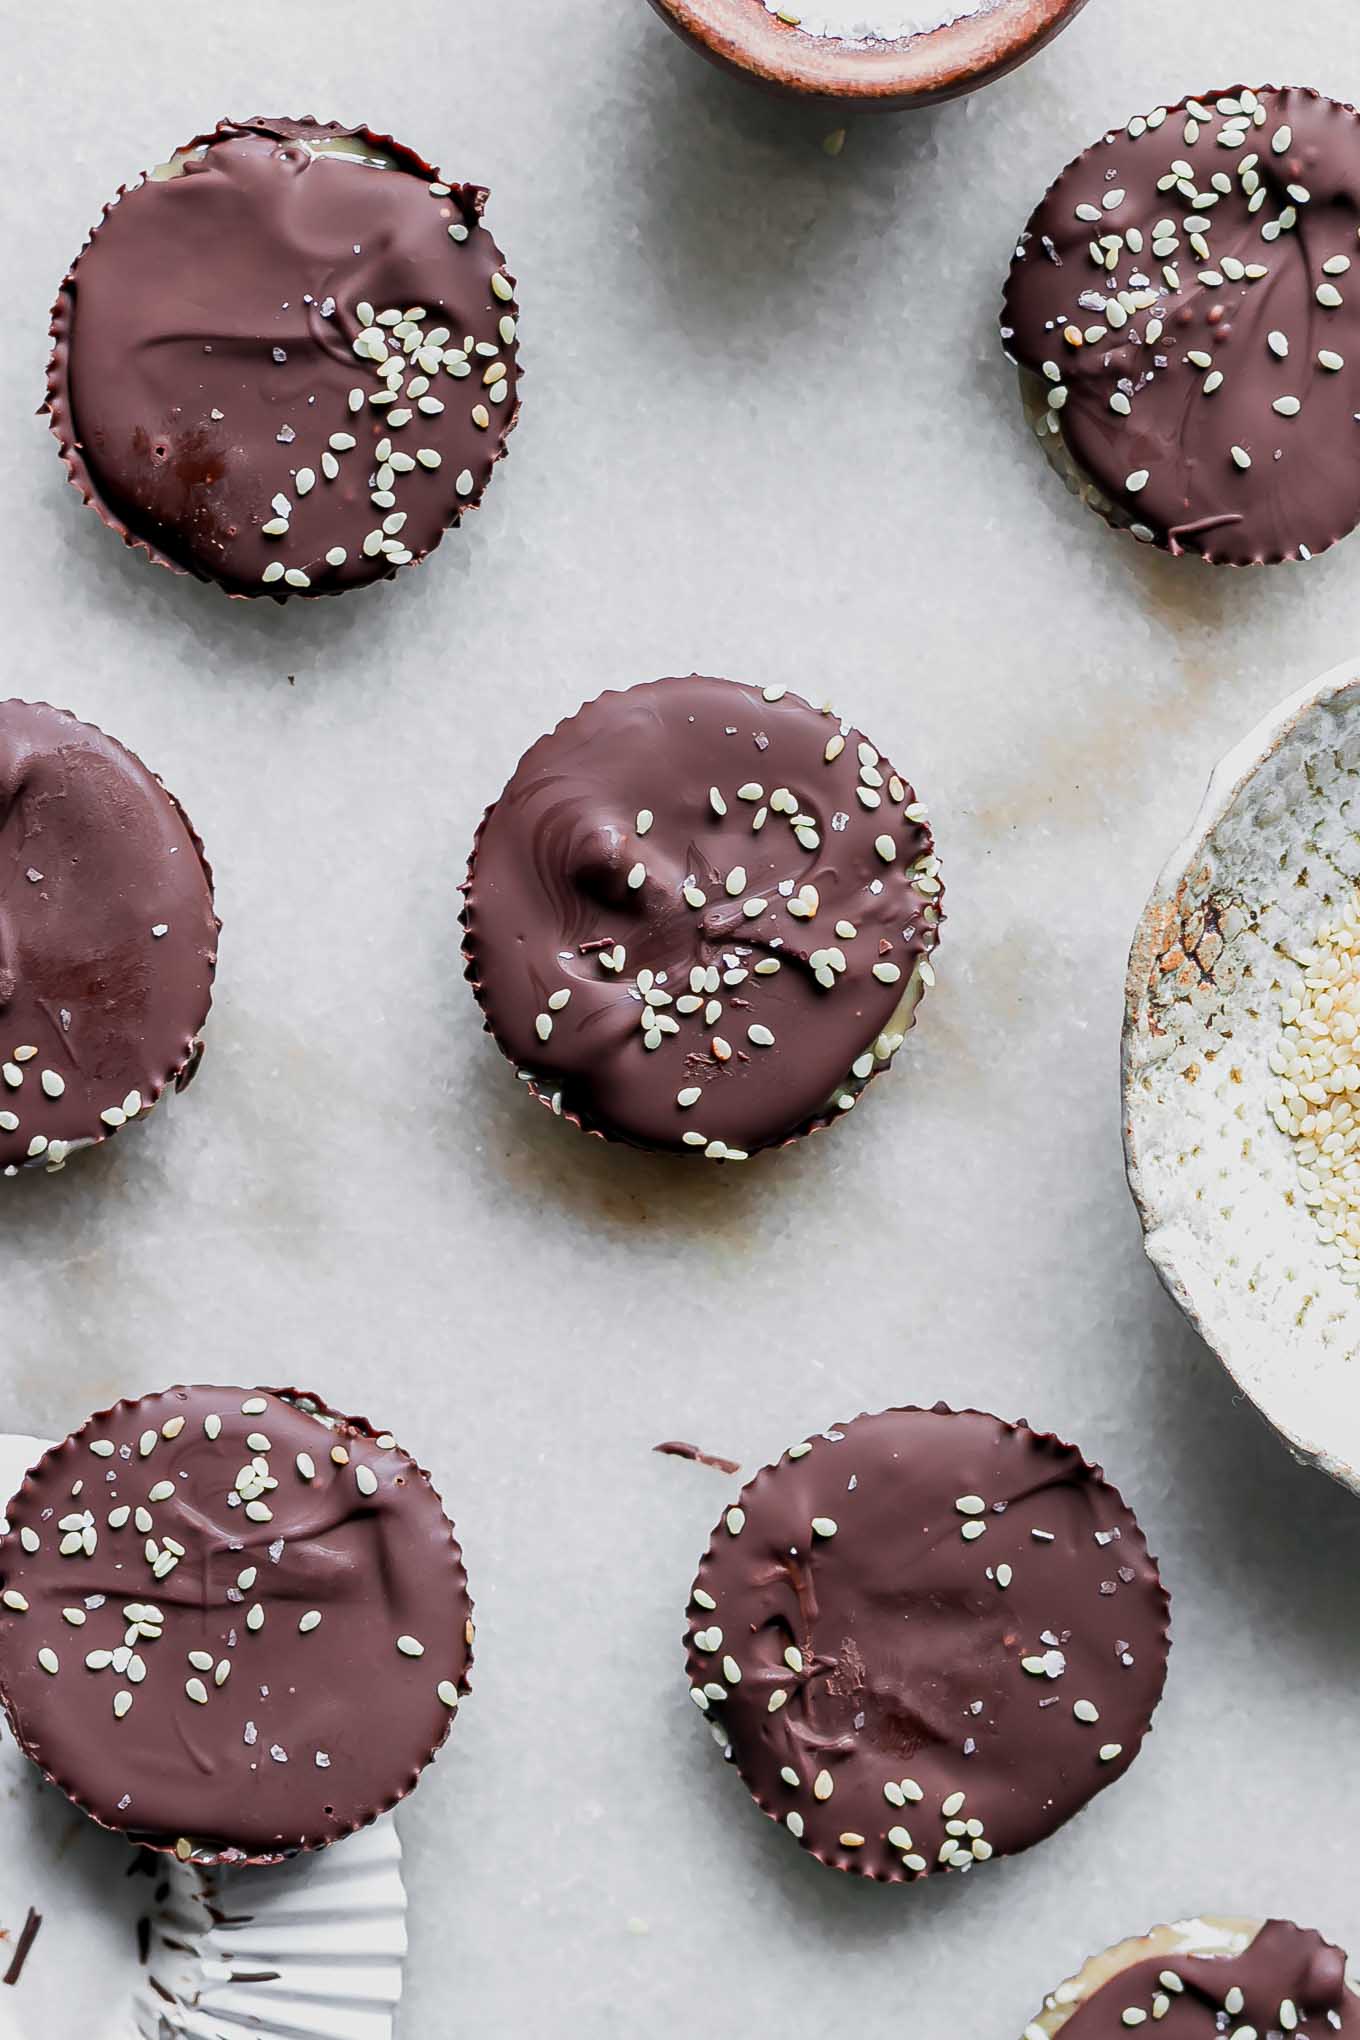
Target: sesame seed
(409,1646)
(1241,457)
(736,1521)
(366,1480)
(824,1526)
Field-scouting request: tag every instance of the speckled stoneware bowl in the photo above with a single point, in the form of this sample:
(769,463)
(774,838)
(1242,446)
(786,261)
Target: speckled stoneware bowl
(868,77)
(1273,854)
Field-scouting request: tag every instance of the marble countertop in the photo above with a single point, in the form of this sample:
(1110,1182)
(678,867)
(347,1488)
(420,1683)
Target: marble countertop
(767,431)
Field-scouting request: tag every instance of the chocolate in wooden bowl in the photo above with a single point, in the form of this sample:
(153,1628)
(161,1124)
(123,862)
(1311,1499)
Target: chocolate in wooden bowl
(875,76)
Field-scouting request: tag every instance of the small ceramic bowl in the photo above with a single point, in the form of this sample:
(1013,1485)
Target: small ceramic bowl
(868,77)
(1273,855)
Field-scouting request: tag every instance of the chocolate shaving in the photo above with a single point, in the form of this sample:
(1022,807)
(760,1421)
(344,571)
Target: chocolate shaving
(23,1947)
(677,1449)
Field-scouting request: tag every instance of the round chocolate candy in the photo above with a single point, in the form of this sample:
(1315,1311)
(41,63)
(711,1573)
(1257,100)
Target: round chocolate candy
(1205,1978)
(700,916)
(232,1624)
(929,1638)
(285,361)
(108,940)
(1185,310)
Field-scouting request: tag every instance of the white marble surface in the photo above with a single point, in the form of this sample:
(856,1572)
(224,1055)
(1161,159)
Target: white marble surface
(766,430)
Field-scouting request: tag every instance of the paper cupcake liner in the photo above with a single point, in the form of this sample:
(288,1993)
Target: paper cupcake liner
(140,1947)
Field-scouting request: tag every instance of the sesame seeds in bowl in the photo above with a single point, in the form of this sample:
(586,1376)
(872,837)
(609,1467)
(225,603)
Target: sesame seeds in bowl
(1241,1071)
(896,53)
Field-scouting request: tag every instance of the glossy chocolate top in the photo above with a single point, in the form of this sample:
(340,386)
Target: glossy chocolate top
(108,941)
(929,1637)
(699,915)
(290,366)
(232,1624)
(1189,294)
(1288,1981)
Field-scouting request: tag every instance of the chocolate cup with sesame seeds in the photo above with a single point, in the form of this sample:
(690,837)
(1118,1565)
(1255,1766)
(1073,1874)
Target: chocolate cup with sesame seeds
(700,917)
(234,1625)
(1184,310)
(285,361)
(1203,1977)
(927,1638)
(108,938)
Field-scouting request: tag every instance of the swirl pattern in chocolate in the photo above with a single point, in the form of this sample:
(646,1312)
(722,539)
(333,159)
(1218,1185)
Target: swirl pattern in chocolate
(232,1624)
(287,363)
(700,916)
(1287,1981)
(1186,307)
(929,1638)
(108,939)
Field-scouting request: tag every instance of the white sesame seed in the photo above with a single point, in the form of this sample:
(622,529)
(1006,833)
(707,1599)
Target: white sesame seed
(409,1646)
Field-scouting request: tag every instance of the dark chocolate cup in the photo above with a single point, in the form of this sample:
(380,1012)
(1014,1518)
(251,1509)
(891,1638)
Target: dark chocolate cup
(185,1053)
(1325,460)
(549,1095)
(1289,1960)
(891,1863)
(103,1807)
(466,201)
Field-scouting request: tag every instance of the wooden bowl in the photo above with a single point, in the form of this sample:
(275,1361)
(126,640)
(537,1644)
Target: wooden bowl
(881,77)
